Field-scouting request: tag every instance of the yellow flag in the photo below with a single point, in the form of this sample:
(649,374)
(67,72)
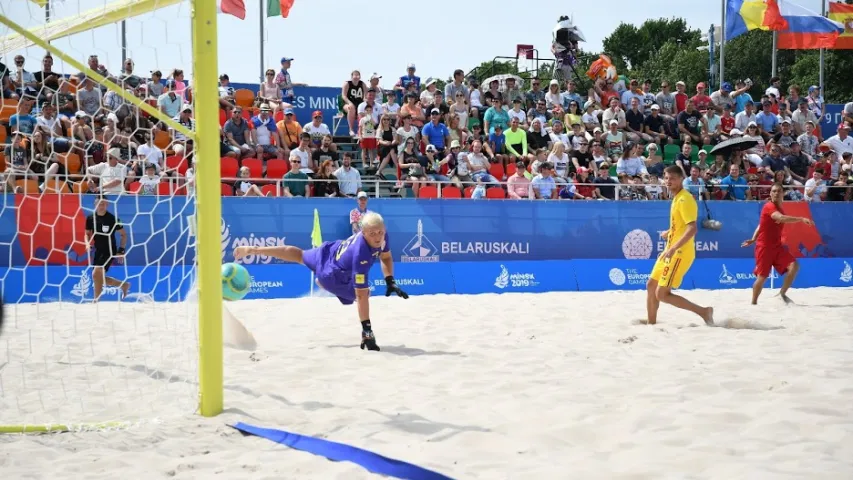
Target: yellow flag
(40,3)
(316,235)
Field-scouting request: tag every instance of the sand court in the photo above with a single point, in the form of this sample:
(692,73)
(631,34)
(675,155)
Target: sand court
(556,385)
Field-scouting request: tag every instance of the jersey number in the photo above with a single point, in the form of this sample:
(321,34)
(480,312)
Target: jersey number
(343,248)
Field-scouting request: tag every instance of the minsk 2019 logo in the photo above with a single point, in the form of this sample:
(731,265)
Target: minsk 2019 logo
(229,243)
(637,245)
(419,249)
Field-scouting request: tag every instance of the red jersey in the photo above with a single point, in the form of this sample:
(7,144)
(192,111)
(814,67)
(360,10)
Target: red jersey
(727,123)
(680,102)
(769,232)
(701,102)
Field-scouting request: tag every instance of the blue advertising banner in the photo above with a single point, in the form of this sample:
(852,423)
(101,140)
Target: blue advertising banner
(325,99)
(74,284)
(716,274)
(50,229)
(503,277)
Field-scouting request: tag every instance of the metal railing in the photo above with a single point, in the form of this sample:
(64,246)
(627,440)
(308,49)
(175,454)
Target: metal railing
(444,189)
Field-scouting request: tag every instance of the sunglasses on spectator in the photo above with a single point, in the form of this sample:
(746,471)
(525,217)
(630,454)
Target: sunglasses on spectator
(296,161)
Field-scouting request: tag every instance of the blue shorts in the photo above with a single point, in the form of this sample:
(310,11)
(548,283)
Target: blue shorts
(334,281)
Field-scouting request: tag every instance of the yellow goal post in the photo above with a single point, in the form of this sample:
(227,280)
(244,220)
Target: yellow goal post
(208,208)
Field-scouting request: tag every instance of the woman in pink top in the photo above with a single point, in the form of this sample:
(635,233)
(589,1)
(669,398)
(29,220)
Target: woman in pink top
(518,185)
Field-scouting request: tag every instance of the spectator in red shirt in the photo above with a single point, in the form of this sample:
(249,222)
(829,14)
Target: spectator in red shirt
(583,183)
(727,122)
(680,97)
(701,101)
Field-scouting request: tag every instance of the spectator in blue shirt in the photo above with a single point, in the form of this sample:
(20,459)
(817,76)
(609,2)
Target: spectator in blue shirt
(695,184)
(767,122)
(543,185)
(734,187)
(773,161)
(497,141)
(435,132)
(23,122)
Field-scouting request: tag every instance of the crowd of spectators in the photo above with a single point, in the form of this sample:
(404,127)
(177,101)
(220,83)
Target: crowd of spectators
(504,139)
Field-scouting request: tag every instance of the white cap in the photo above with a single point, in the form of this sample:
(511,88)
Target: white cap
(614,122)
(431,148)
(114,152)
(411,65)
(361,195)
(735,131)
(375,76)
(455,144)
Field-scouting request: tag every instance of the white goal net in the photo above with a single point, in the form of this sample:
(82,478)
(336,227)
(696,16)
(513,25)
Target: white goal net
(67,139)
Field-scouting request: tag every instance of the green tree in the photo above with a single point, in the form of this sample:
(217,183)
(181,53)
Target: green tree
(630,47)
(673,62)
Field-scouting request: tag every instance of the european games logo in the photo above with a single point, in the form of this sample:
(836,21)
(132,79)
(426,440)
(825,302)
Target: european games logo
(419,249)
(846,274)
(617,277)
(225,238)
(81,288)
(517,280)
(637,245)
(727,278)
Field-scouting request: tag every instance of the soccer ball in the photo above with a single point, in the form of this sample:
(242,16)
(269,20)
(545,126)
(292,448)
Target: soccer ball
(235,281)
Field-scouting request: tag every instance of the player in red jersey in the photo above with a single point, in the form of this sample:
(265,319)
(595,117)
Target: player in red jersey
(769,251)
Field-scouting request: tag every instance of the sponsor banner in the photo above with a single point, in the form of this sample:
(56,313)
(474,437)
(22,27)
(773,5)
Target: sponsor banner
(714,274)
(604,275)
(278,281)
(161,230)
(420,279)
(500,277)
(824,272)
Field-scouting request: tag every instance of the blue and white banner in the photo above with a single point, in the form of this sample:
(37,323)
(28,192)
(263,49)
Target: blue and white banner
(502,277)
(50,229)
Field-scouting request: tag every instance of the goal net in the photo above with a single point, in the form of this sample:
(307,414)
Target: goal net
(77,145)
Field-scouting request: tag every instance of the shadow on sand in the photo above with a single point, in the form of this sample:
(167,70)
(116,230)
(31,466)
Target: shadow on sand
(403,350)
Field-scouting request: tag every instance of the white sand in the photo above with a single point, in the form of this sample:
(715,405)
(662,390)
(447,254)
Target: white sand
(560,385)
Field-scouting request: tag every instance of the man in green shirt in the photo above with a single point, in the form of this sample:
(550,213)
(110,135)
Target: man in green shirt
(295,182)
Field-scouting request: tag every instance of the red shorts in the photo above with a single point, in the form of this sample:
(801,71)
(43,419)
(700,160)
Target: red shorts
(775,257)
(368,143)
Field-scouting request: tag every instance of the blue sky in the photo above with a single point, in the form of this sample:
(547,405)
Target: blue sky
(328,40)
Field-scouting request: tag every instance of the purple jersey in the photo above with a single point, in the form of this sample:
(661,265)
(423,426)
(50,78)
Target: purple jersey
(343,265)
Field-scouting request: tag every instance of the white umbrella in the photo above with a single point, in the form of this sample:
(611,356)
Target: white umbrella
(519,82)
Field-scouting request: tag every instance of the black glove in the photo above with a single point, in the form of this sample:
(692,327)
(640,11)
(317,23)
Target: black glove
(391,287)
(120,251)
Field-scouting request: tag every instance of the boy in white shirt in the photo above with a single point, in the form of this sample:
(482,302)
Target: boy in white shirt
(112,175)
(150,181)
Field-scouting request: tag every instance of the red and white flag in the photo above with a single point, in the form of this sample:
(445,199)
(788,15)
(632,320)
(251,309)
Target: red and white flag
(233,7)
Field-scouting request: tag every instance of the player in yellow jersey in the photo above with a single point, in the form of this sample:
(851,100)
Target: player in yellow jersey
(680,252)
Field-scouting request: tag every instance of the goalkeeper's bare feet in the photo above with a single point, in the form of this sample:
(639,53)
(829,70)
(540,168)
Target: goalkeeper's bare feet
(125,287)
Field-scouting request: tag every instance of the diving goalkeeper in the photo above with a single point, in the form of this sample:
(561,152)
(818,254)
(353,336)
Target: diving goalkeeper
(342,267)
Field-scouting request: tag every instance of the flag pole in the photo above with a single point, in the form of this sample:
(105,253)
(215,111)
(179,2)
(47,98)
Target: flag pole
(822,50)
(723,44)
(773,58)
(262,14)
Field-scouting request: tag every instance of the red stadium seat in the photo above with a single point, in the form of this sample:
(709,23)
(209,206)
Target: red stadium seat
(134,187)
(164,188)
(497,171)
(226,190)
(428,191)
(270,189)
(277,168)
(177,162)
(278,116)
(451,192)
(510,169)
(223,117)
(228,167)
(255,166)
(495,192)
(468,191)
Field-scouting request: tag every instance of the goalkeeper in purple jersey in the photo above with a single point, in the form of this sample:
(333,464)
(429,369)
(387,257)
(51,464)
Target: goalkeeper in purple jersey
(341,267)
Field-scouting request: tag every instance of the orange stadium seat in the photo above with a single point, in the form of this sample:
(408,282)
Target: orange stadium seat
(80,187)
(29,186)
(270,189)
(277,168)
(244,97)
(497,171)
(7,109)
(71,161)
(428,191)
(451,192)
(55,185)
(228,167)
(226,190)
(223,117)
(2,160)
(255,166)
(495,192)
(162,139)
